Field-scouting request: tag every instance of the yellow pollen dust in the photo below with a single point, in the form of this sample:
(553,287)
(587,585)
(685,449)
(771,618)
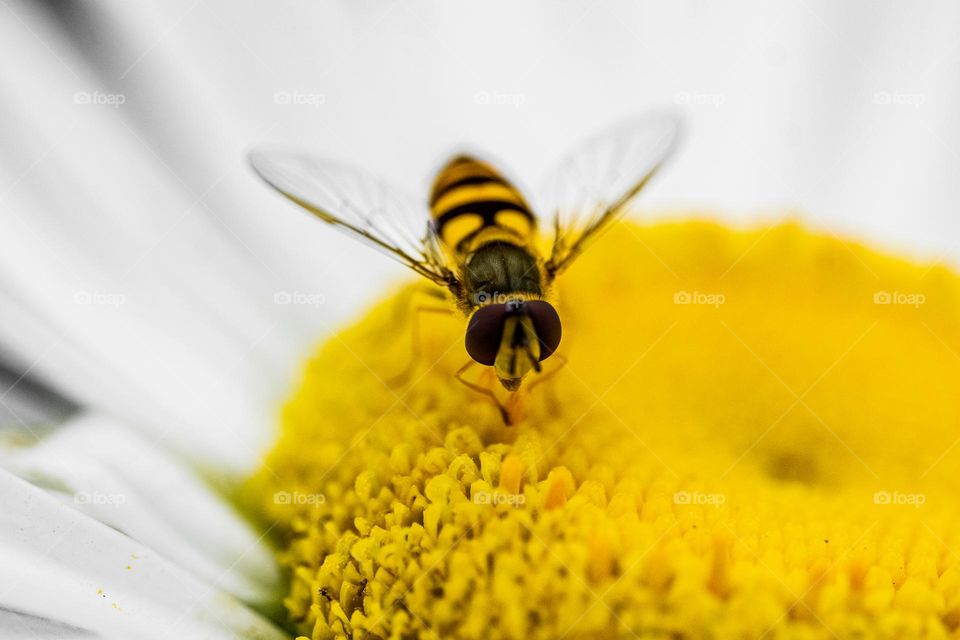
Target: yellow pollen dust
(756,435)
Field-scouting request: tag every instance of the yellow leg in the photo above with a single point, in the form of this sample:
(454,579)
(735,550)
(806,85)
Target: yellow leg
(484,391)
(417,349)
(517,402)
(543,377)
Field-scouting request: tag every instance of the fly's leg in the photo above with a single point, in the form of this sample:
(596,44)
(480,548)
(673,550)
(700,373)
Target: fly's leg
(517,404)
(484,391)
(543,377)
(416,352)
(417,335)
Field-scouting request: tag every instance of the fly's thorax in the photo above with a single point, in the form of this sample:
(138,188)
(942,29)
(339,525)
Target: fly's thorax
(501,270)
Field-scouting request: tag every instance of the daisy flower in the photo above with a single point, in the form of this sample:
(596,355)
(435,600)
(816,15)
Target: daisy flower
(755,436)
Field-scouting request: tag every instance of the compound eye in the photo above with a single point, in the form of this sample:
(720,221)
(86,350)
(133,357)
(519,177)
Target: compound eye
(546,320)
(484,332)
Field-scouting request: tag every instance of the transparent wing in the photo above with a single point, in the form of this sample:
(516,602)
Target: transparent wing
(360,205)
(593,184)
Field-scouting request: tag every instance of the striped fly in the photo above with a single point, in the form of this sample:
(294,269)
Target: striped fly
(479,238)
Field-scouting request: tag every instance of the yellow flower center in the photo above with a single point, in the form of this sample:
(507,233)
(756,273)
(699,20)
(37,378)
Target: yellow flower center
(755,435)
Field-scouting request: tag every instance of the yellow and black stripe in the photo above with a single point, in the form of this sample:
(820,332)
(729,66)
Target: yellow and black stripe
(470,197)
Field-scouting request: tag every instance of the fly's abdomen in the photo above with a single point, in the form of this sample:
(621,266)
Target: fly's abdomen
(471,200)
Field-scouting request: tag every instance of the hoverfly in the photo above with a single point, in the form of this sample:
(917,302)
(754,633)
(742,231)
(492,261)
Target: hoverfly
(479,238)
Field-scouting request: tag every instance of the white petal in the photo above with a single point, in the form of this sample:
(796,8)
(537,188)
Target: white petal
(105,470)
(62,566)
(21,625)
(26,405)
(118,287)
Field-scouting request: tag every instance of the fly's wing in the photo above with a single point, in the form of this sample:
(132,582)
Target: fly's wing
(360,205)
(593,185)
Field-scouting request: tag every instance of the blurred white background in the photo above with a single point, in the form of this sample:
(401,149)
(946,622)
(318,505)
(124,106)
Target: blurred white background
(139,256)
